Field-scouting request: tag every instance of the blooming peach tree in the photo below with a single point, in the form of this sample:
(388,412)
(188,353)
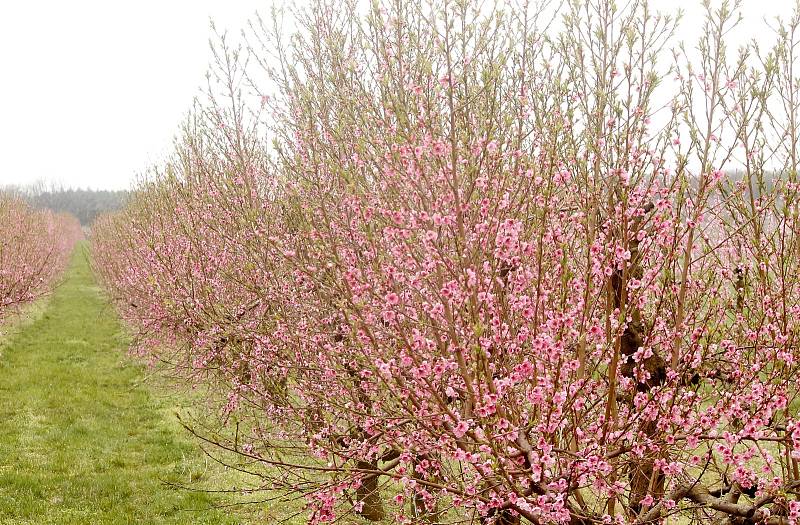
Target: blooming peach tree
(34,249)
(502,266)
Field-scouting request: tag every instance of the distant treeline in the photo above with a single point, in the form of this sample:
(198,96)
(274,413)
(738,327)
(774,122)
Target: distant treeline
(85,204)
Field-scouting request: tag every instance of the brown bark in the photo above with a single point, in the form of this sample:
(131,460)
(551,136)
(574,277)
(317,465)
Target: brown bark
(502,517)
(643,478)
(419,510)
(369,494)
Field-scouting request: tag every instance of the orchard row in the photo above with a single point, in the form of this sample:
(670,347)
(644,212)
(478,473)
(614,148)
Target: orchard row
(35,246)
(439,264)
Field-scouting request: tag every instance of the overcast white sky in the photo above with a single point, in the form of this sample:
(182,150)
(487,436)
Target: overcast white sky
(92,91)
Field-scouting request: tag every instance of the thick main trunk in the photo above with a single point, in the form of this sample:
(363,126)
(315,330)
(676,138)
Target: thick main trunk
(368,494)
(419,509)
(643,479)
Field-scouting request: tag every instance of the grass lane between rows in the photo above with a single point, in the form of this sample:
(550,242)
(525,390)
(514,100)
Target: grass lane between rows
(82,438)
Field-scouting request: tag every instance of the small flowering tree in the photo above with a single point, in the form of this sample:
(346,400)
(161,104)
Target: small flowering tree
(34,250)
(483,272)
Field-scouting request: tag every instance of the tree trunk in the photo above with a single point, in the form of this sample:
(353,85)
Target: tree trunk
(369,494)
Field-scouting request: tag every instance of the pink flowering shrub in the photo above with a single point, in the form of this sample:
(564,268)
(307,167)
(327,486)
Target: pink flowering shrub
(35,246)
(481,270)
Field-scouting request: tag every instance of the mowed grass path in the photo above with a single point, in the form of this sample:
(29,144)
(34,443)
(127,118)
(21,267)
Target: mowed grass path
(82,440)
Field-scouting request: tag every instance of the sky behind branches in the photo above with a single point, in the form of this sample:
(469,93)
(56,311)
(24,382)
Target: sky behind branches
(92,91)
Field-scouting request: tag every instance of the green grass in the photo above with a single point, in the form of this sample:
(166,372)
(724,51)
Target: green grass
(18,319)
(82,438)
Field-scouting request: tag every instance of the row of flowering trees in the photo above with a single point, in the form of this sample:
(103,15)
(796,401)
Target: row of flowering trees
(497,265)
(34,250)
